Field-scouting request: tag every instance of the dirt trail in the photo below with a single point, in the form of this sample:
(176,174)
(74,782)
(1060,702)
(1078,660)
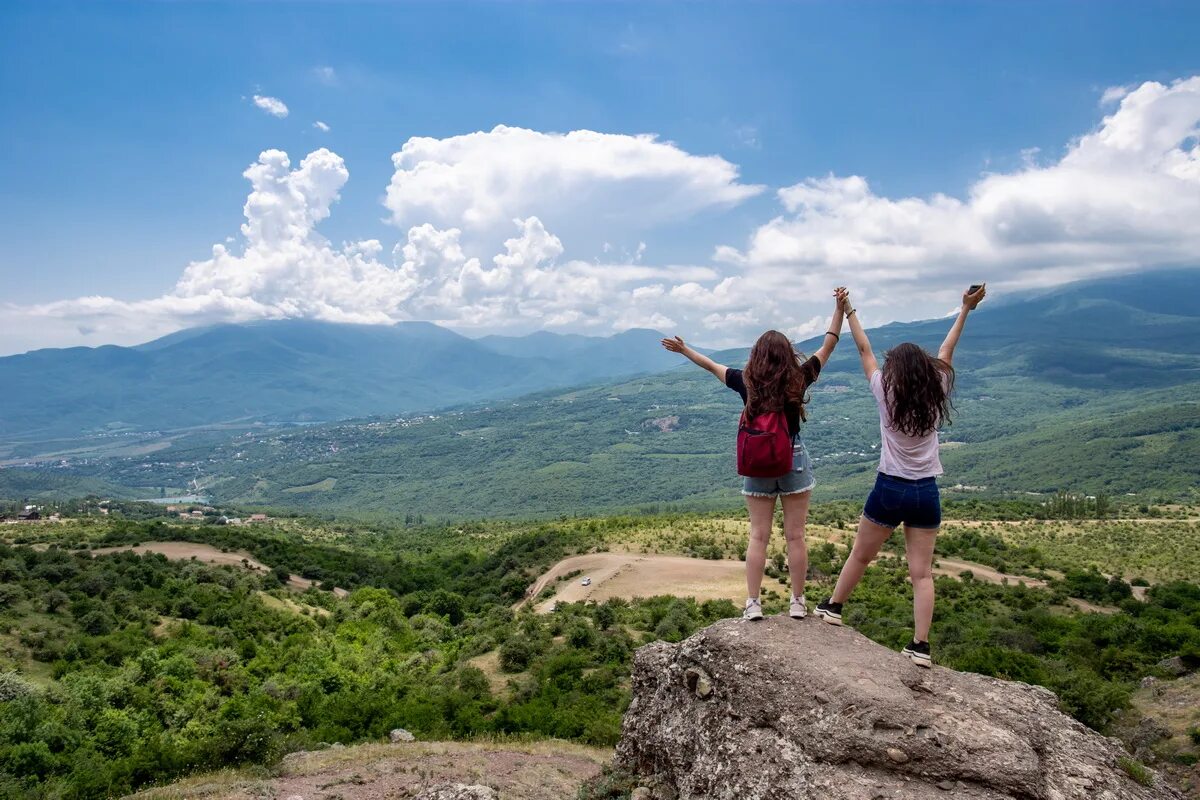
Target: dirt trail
(189,551)
(954,566)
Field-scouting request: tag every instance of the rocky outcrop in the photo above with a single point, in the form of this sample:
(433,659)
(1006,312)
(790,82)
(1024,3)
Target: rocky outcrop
(791,710)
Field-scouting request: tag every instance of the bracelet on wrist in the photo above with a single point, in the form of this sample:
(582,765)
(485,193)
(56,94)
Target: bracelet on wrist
(850,313)
(834,335)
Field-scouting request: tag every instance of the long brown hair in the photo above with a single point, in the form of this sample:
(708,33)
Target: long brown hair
(774,376)
(917,387)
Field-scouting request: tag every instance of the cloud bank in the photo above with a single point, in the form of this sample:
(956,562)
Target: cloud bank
(1123,196)
(488,220)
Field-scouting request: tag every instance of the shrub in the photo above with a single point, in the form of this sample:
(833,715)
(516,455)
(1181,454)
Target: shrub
(516,653)
(13,686)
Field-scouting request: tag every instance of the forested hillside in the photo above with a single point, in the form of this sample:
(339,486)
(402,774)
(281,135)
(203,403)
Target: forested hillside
(117,670)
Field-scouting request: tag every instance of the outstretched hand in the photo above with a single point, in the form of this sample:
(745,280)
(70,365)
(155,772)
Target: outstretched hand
(674,344)
(970,301)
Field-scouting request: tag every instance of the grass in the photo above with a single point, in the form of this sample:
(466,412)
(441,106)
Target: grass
(1136,770)
(1155,550)
(319,486)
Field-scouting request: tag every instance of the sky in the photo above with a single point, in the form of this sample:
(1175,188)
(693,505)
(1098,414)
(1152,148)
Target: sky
(706,169)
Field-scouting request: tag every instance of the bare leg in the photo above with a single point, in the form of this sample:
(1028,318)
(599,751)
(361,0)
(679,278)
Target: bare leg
(918,543)
(795,520)
(762,518)
(867,544)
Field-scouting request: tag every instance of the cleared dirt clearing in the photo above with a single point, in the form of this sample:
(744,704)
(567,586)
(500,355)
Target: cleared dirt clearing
(629,575)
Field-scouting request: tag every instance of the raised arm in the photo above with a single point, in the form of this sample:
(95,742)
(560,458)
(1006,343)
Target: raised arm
(835,327)
(676,345)
(969,302)
(869,364)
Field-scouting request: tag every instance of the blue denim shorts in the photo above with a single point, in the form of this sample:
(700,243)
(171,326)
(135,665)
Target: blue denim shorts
(916,503)
(798,481)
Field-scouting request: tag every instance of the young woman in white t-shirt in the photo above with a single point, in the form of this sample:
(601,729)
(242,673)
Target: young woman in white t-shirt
(912,392)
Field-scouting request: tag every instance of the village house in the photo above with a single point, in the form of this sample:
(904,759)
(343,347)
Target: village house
(259,518)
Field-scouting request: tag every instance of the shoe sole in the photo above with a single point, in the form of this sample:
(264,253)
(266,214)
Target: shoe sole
(918,659)
(755,618)
(827,617)
(797,616)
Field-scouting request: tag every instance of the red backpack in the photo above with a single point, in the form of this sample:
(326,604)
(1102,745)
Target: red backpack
(764,446)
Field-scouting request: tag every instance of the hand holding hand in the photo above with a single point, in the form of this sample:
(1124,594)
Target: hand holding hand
(675,345)
(843,298)
(970,301)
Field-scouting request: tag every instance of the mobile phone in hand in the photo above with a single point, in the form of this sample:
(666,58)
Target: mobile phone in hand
(975,287)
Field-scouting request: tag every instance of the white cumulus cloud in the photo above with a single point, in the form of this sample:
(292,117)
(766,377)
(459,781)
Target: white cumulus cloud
(1123,196)
(582,179)
(272,105)
(321,126)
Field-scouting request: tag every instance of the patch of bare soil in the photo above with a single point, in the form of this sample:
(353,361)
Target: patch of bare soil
(629,575)
(517,771)
(188,551)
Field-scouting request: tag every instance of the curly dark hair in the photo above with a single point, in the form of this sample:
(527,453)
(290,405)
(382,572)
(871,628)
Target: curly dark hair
(774,376)
(918,388)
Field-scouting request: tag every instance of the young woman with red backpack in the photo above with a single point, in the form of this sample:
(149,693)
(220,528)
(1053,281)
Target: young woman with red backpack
(912,392)
(771,453)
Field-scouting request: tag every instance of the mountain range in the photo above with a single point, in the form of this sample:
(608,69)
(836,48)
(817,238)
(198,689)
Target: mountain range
(1087,388)
(296,371)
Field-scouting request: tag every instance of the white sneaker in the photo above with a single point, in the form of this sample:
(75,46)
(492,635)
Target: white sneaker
(753,610)
(798,610)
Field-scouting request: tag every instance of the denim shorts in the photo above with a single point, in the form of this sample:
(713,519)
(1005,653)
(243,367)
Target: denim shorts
(798,481)
(916,503)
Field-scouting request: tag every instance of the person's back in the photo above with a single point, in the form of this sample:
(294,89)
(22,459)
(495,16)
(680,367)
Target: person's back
(773,388)
(912,392)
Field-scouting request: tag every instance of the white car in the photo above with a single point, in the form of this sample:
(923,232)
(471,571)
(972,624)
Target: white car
(586,582)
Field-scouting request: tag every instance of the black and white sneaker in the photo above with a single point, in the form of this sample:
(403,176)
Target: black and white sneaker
(919,653)
(829,611)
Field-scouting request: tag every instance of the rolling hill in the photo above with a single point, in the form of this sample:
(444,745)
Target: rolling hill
(1089,388)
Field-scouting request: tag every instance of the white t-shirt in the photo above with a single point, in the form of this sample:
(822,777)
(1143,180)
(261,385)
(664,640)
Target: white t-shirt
(902,455)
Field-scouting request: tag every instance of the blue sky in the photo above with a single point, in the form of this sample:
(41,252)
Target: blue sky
(126,127)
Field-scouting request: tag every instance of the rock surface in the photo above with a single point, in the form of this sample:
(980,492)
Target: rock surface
(788,710)
(400,736)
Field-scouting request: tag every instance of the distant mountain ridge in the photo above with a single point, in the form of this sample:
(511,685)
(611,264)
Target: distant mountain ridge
(1090,388)
(297,371)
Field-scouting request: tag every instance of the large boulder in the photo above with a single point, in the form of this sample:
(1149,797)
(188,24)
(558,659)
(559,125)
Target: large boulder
(784,709)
